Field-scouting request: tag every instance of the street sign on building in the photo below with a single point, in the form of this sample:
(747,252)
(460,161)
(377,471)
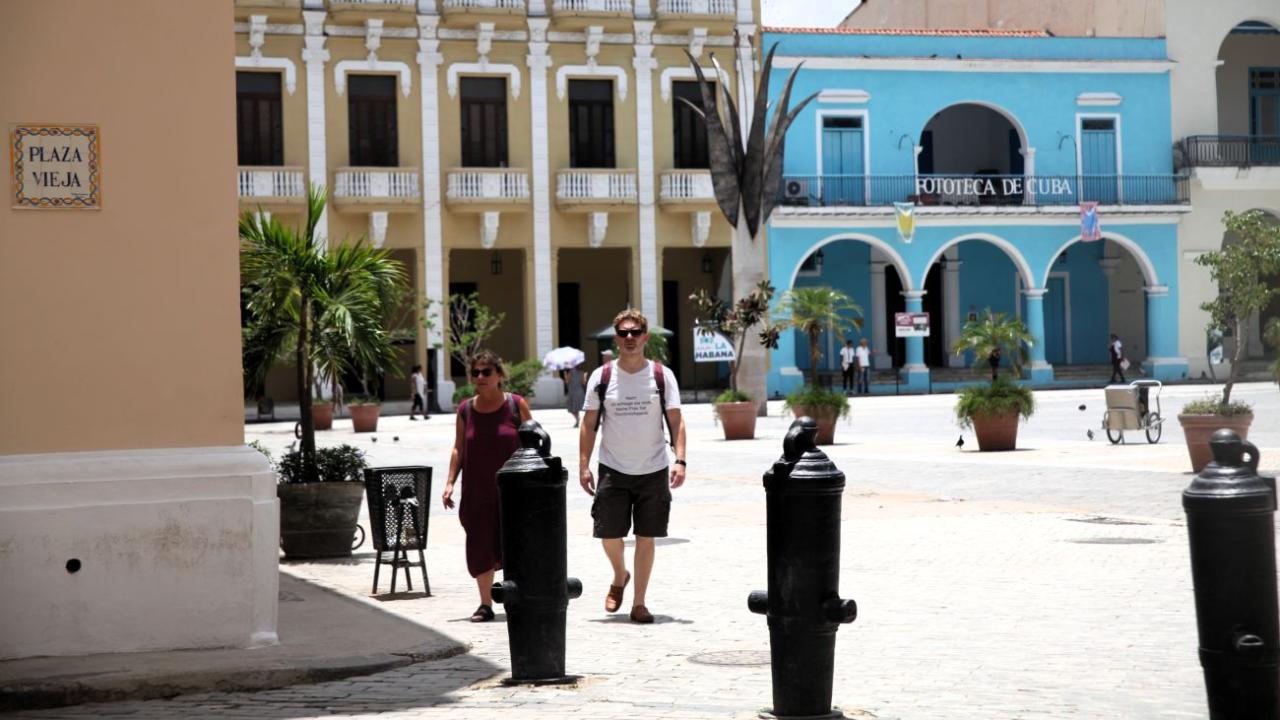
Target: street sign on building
(712,347)
(911,324)
(55,166)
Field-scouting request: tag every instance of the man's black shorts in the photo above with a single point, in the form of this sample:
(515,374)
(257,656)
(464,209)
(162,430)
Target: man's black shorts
(619,496)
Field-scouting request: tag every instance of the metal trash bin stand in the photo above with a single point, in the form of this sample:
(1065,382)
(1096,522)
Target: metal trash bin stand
(399,513)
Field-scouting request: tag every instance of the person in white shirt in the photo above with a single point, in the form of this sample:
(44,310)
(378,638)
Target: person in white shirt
(847,359)
(862,355)
(637,473)
(1116,350)
(419,393)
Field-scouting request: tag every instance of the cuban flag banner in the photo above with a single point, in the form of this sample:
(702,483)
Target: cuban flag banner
(906,214)
(1090,228)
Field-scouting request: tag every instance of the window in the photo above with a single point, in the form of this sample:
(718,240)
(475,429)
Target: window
(259,130)
(1098,124)
(484,121)
(591,124)
(1264,101)
(371,121)
(689,129)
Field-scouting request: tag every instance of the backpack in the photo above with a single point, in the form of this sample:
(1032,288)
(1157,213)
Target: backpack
(659,377)
(465,411)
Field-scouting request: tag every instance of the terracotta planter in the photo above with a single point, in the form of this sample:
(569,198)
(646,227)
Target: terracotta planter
(996,432)
(1198,428)
(826,424)
(364,418)
(738,420)
(318,520)
(322,414)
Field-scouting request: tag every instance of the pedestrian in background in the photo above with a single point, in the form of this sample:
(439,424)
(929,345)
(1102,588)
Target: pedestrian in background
(848,363)
(575,391)
(1116,349)
(485,438)
(862,356)
(419,393)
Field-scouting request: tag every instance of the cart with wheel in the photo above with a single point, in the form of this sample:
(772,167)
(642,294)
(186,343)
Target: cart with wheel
(1129,408)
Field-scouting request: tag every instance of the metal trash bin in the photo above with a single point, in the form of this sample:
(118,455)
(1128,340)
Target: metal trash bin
(399,512)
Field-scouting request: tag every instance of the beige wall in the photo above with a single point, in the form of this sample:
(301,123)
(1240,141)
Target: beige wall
(120,325)
(1104,18)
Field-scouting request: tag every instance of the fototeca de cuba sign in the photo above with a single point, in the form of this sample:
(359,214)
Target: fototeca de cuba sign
(712,347)
(992,186)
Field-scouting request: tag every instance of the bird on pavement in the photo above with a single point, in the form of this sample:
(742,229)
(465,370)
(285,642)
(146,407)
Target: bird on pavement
(1081,408)
(374,438)
(960,442)
(1089,433)
(396,438)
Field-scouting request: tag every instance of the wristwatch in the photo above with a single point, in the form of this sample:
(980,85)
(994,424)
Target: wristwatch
(681,463)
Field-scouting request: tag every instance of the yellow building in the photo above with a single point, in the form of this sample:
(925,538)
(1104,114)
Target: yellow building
(536,152)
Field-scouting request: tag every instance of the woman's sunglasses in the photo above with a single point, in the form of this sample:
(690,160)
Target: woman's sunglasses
(633,332)
(481,372)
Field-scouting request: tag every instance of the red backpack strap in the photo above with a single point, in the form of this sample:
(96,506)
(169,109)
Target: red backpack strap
(602,387)
(660,378)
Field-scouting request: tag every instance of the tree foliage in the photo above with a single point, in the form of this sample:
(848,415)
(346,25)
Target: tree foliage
(813,310)
(735,321)
(471,323)
(992,332)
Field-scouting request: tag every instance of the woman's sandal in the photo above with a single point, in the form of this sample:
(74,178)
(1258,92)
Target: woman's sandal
(484,613)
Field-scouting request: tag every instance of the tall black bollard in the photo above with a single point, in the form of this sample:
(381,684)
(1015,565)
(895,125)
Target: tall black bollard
(1230,523)
(535,587)
(803,496)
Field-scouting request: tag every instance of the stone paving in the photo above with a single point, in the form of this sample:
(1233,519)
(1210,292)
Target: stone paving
(1051,582)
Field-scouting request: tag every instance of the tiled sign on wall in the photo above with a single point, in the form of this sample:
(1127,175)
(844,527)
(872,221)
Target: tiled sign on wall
(55,166)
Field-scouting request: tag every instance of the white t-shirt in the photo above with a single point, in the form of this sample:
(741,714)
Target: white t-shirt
(420,384)
(1118,349)
(633,435)
(864,356)
(846,356)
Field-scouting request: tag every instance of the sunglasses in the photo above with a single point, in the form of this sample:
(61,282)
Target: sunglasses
(633,332)
(481,372)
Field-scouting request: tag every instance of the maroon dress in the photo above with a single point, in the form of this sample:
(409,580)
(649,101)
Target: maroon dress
(489,441)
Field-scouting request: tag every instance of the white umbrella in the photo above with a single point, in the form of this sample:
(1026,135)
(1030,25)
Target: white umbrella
(563,358)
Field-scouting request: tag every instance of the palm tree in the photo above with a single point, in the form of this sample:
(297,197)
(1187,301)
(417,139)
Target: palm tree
(326,309)
(812,310)
(994,334)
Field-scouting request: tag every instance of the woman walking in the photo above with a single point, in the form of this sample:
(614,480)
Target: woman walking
(576,391)
(485,438)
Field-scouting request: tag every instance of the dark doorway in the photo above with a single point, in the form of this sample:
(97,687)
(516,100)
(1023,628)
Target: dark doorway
(894,303)
(569,314)
(459,290)
(935,346)
(671,320)
(483,108)
(259,128)
(591,124)
(372,139)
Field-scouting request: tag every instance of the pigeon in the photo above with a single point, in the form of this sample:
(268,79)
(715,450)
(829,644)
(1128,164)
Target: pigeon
(960,442)
(1081,408)
(374,438)
(1089,433)
(396,438)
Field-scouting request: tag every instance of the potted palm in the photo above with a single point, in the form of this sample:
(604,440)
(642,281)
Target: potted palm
(324,309)
(735,408)
(993,409)
(812,311)
(1242,270)
(319,508)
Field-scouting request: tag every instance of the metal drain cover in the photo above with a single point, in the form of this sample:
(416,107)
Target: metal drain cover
(732,657)
(1115,541)
(1100,520)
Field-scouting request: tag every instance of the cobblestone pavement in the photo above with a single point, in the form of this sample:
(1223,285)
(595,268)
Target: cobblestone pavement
(1047,583)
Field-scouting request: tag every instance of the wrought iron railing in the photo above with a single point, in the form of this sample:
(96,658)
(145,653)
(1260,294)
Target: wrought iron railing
(1231,150)
(982,190)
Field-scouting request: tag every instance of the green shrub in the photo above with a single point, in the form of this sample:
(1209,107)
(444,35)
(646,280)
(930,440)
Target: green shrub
(818,400)
(1000,396)
(1213,405)
(462,393)
(522,376)
(658,349)
(363,400)
(732,396)
(342,463)
(257,445)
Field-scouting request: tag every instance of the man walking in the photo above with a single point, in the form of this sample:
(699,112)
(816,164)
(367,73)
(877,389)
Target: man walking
(1116,350)
(419,393)
(848,357)
(862,355)
(633,399)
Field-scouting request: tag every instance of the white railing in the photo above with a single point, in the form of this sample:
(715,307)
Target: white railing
(273,182)
(600,6)
(609,185)
(488,185)
(483,4)
(372,183)
(697,7)
(686,185)
(403,3)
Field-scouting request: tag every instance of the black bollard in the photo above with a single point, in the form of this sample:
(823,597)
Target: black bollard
(1230,524)
(803,496)
(535,588)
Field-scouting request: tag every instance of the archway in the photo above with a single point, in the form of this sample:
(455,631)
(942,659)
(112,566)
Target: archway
(962,147)
(1095,289)
(1248,79)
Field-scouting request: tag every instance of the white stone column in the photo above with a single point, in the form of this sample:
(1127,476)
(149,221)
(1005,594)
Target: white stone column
(548,390)
(315,56)
(883,357)
(429,61)
(1028,175)
(951,306)
(644,65)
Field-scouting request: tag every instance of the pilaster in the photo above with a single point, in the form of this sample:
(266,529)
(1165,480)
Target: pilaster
(951,305)
(315,56)
(917,373)
(1040,370)
(429,61)
(539,62)
(882,358)
(644,64)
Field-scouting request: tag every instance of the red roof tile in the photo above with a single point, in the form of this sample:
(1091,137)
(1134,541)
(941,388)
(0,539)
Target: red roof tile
(980,32)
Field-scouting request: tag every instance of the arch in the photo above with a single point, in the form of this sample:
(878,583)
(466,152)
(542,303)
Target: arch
(898,263)
(1019,262)
(1007,115)
(1144,263)
(1226,33)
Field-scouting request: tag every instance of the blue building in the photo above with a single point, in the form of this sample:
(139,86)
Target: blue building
(996,138)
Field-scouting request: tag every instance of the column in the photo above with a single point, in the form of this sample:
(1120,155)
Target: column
(1029,175)
(429,61)
(548,390)
(1163,361)
(915,371)
(644,64)
(315,56)
(951,306)
(1040,370)
(879,330)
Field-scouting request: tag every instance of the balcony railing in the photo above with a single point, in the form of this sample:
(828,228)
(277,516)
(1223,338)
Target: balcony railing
(621,7)
(372,4)
(597,186)
(376,184)
(697,7)
(982,190)
(484,185)
(678,186)
(276,182)
(1231,150)
(499,5)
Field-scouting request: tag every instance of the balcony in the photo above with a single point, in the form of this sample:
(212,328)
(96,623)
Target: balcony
(684,15)
(686,191)
(463,13)
(978,191)
(595,190)
(376,189)
(271,187)
(578,14)
(1233,162)
(397,12)
(487,189)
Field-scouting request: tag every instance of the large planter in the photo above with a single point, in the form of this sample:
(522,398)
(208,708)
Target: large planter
(738,419)
(322,414)
(1198,428)
(826,423)
(318,520)
(996,432)
(364,418)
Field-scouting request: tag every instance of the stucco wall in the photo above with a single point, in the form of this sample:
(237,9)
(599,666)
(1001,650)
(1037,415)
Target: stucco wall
(1091,17)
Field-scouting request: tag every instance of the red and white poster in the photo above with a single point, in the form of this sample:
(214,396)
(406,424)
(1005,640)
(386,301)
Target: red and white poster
(911,324)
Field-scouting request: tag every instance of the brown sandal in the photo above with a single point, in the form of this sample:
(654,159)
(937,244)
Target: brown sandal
(640,614)
(613,600)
